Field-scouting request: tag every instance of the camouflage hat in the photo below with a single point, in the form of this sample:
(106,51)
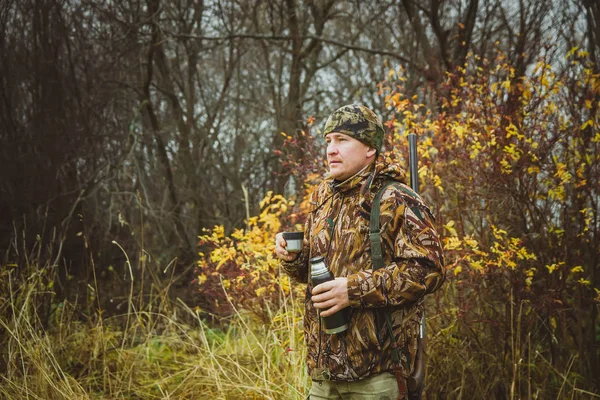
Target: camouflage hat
(358,122)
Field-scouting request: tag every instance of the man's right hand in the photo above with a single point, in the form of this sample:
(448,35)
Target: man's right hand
(280,249)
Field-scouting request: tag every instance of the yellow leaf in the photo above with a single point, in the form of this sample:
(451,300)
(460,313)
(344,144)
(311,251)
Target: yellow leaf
(552,268)
(477,265)
(452,243)
(267,199)
(583,53)
(471,242)
(285,284)
(437,182)
(587,123)
(450,228)
(512,130)
(505,167)
(572,51)
(459,131)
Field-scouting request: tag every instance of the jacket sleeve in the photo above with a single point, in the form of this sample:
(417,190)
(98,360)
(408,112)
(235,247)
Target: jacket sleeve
(416,266)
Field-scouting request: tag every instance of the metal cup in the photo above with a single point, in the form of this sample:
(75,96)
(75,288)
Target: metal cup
(293,241)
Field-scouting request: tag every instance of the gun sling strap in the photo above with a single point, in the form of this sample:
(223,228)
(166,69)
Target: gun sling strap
(377,260)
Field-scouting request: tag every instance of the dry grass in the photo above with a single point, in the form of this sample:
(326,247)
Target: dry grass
(166,350)
(75,360)
(146,353)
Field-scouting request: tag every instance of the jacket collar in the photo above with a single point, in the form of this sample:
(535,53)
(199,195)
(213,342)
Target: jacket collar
(374,172)
(354,181)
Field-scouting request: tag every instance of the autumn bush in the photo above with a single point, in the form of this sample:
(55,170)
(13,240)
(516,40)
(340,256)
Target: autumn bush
(511,165)
(240,270)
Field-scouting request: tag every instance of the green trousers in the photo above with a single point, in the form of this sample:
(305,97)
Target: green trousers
(377,387)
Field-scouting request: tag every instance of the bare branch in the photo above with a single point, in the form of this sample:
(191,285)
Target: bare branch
(290,38)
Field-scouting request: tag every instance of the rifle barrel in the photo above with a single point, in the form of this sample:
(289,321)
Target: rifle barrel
(413,165)
(413,162)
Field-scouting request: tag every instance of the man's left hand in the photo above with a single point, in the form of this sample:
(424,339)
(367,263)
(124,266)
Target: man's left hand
(330,297)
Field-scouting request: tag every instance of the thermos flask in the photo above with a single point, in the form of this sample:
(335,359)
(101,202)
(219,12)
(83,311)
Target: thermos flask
(319,273)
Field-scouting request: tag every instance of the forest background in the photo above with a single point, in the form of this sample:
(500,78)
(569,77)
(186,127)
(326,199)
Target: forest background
(151,149)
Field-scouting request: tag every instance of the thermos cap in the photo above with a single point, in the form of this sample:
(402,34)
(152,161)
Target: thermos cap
(297,235)
(316,260)
(318,268)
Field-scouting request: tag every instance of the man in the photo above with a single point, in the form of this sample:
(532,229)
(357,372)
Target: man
(357,363)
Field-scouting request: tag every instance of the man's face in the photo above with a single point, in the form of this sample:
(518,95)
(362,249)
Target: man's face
(346,155)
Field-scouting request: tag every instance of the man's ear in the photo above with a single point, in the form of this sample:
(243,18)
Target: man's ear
(371,152)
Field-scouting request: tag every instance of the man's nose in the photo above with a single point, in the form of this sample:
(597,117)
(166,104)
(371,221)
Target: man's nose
(331,149)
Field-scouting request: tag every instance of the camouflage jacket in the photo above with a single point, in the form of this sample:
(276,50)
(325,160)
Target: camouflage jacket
(338,229)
